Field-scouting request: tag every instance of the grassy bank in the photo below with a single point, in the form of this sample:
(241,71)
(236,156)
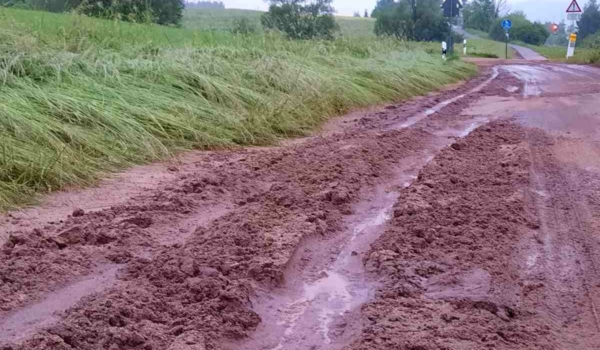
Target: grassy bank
(486,48)
(83,96)
(479,33)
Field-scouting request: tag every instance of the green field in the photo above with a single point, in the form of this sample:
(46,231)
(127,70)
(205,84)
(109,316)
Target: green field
(81,96)
(486,48)
(223,20)
(479,33)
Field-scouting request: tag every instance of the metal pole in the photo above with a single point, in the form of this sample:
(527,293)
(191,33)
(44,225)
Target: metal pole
(506,50)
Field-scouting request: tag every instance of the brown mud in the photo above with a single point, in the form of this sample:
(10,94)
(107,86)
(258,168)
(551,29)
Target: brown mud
(426,224)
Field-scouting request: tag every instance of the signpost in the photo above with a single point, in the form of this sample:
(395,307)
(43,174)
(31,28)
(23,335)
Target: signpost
(573,14)
(506,24)
(451,9)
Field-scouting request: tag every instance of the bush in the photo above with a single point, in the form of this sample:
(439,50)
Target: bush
(522,29)
(458,38)
(243,26)
(301,21)
(422,23)
(483,54)
(165,12)
(592,42)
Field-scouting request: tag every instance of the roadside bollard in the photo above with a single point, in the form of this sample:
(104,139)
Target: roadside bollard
(444,50)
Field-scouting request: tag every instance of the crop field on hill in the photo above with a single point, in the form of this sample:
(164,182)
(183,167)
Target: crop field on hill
(83,96)
(224,20)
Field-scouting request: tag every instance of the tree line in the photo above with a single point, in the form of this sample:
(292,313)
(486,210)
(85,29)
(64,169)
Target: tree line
(487,15)
(205,5)
(589,25)
(164,12)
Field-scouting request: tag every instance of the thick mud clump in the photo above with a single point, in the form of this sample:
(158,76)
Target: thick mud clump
(447,257)
(197,291)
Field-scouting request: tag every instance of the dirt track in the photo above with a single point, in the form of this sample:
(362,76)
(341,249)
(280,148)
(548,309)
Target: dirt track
(465,219)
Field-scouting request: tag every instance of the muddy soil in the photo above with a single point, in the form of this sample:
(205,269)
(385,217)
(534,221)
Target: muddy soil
(442,222)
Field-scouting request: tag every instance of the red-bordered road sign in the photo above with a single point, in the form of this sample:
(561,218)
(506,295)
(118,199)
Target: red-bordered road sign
(574,7)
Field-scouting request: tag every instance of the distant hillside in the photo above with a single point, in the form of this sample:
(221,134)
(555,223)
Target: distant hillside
(223,20)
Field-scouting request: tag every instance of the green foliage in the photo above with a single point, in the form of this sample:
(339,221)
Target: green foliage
(592,41)
(244,26)
(480,14)
(165,12)
(419,20)
(83,96)
(522,30)
(483,55)
(205,5)
(590,20)
(299,20)
(382,7)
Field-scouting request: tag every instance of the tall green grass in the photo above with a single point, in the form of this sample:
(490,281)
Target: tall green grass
(81,96)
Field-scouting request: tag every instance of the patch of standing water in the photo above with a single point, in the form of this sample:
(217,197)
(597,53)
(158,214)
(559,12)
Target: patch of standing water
(26,321)
(339,289)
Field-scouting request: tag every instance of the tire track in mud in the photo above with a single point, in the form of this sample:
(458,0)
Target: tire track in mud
(569,279)
(199,290)
(450,275)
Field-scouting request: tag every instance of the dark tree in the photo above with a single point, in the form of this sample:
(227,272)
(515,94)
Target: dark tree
(205,5)
(420,20)
(590,20)
(366,13)
(522,29)
(165,12)
(299,19)
(382,7)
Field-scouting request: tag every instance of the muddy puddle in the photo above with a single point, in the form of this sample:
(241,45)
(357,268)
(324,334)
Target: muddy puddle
(325,282)
(420,116)
(26,321)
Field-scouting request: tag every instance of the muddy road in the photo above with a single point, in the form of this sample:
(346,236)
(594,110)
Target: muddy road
(466,219)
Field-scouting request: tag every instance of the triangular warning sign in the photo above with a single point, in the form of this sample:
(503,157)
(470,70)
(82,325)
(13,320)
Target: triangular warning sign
(574,7)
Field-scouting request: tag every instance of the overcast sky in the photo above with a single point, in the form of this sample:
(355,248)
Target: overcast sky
(537,10)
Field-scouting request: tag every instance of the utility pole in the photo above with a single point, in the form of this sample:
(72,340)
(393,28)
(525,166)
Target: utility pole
(451,9)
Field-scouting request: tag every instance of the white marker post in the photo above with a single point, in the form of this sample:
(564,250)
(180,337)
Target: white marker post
(444,50)
(573,14)
(465,47)
(571,48)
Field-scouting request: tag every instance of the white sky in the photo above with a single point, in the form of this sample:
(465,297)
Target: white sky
(537,10)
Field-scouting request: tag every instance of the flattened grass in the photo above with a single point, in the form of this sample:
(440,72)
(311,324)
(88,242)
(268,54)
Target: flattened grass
(82,97)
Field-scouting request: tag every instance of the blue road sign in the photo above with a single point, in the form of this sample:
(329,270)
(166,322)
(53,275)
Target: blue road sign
(506,24)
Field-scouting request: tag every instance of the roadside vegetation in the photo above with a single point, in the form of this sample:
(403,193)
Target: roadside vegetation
(84,96)
(486,49)
(482,18)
